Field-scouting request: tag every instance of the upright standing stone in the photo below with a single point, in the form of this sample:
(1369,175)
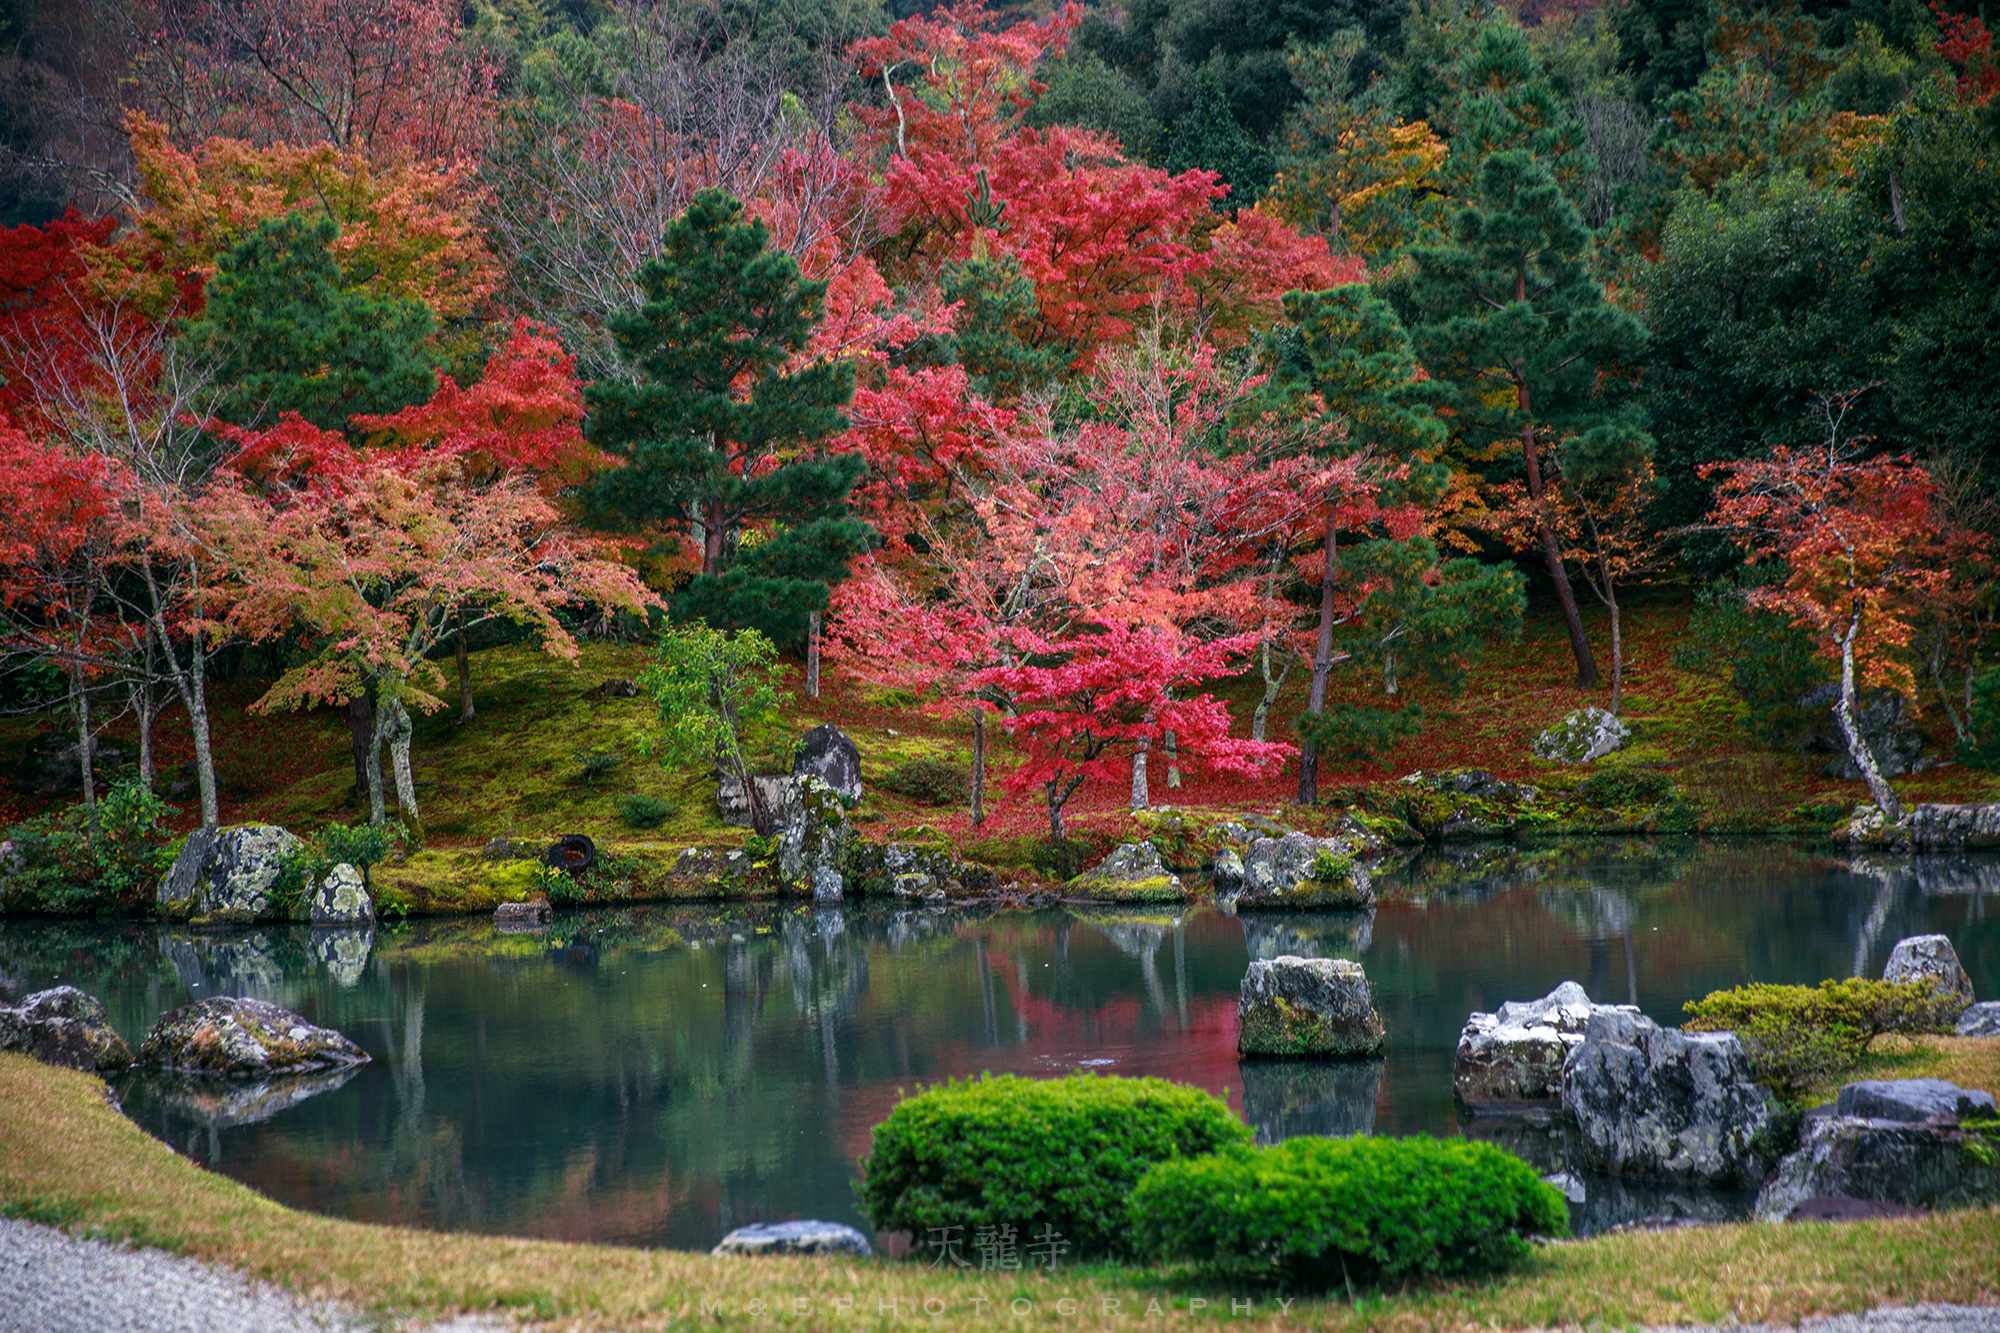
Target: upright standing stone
(826,753)
(228,874)
(1931,958)
(340,898)
(1307,1007)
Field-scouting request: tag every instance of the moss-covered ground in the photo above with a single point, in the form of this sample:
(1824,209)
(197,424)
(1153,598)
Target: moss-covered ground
(517,768)
(68,1158)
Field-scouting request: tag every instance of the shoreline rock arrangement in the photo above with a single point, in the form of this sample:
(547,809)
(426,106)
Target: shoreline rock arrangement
(801,1237)
(1293,871)
(1133,872)
(340,897)
(1662,1104)
(225,876)
(1980,1020)
(826,753)
(1898,1143)
(64,1027)
(232,1036)
(1931,958)
(1927,827)
(1512,1060)
(1307,1007)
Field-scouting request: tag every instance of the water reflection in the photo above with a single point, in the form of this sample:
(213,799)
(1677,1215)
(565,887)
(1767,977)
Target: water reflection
(657,1076)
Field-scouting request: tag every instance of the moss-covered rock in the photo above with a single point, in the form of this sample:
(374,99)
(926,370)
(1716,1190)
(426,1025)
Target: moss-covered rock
(1132,873)
(1307,1007)
(231,1035)
(1295,871)
(1463,803)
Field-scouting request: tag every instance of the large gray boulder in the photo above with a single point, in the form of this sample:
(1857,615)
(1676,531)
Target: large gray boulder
(734,810)
(1133,872)
(1307,1007)
(1888,1161)
(1913,1100)
(826,753)
(1889,734)
(1980,1020)
(1931,958)
(803,1237)
(226,875)
(1930,827)
(340,898)
(64,1027)
(813,834)
(1513,1059)
(1661,1104)
(1294,871)
(1582,735)
(237,1036)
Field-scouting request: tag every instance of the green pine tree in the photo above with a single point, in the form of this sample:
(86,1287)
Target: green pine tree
(1523,345)
(721,443)
(289,332)
(996,301)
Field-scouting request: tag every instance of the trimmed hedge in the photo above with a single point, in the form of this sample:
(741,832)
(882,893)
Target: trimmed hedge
(1798,1037)
(1022,1152)
(1318,1212)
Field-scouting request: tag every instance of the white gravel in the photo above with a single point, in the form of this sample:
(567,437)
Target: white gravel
(51,1282)
(1884,1319)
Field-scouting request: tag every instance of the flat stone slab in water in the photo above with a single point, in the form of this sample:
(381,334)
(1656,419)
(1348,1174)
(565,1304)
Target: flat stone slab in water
(1912,1100)
(802,1237)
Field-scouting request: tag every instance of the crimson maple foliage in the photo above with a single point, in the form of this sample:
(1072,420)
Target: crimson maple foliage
(1965,42)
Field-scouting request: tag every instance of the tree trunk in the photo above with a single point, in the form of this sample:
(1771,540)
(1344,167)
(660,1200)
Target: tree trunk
(466,712)
(1272,686)
(1857,744)
(1322,665)
(978,767)
(1617,649)
(397,729)
(191,683)
(371,768)
(1141,797)
(79,696)
(362,736)
(1586,665)
(1173,760)
(1055,810)
(147,708)
(812,655)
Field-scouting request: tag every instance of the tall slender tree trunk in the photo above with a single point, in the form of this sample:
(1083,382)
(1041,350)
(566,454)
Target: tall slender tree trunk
(978,767)
(397,729)
(1272,686)
(145,707)
(371,767)
(1173,760)
(466,711)
(191,684)
(1141,796)
(364,739)
(812,655)
(1850,728)
(1055,810)
(1617,649)
(1579,645)
(79,695)
(1322,665)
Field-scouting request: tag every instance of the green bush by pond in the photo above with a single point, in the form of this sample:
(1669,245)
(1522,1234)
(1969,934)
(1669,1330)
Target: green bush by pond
(1799,1037)
(1322,1212)
(82,859)
(1025,1153)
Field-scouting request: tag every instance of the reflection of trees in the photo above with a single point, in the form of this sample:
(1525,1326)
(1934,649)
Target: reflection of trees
(1285,1099)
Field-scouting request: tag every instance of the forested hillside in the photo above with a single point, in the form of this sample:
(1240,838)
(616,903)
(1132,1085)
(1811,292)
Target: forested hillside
(1035,368)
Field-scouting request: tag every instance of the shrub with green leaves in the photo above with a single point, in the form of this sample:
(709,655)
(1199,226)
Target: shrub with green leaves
(1318,1212)
(928,781)
(1032,1152)
(642,811)
(1617,788)
(358,845)
(88,859)
(1799,1037)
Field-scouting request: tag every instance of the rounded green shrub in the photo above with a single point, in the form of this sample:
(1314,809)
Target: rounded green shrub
(642,811)
(1318,1212)
(1023,1152)
(929,781)
(1615,788)
(1800,1037)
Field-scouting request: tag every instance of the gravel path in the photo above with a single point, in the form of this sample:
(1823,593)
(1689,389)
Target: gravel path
(1887,1319)
(51,1282)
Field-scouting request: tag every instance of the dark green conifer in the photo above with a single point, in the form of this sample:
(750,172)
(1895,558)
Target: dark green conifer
(720,441)
(289,332)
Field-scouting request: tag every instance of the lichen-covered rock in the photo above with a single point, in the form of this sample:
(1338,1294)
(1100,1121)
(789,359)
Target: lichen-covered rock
(1890,1161)
(826,753)
(1514,1058)
(802,1237)
(340,897)
(521,918)
(227,875)
(1462,804)
(1307,1007)
(913,870)
(1927,827)
(1912,1100)
(735,811)
(1133,872)
(1295,871)
(63,1027)
(238,1036)
(1980,1020)
(1582,735)
(813,834)
(52,764)
(827,887)
(1661,1104)
(1931,958)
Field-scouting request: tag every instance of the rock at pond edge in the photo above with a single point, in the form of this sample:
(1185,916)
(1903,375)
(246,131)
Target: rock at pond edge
(64,1027)
(800,1237)
(238,1036)
(1307,1007)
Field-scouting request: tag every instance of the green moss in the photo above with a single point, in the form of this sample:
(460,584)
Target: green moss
(1282,1028)
(1160,889)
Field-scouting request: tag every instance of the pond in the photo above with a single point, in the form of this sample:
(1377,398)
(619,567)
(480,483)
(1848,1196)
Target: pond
(658,1075)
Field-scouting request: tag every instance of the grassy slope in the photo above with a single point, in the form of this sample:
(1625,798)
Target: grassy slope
(512,769)
(67,1157)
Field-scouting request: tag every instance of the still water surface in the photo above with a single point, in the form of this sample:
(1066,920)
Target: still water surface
(659,1075)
